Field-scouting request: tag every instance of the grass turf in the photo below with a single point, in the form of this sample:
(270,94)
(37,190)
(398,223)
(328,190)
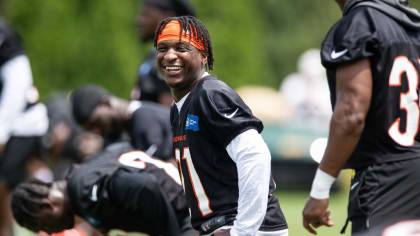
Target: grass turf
(292,205)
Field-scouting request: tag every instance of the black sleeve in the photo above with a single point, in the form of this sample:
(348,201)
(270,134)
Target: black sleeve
(144,131)
(147,130)
(354,37)
(224,113)
(10,43)
(140,196)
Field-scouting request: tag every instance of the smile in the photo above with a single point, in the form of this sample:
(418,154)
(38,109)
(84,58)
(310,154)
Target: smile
(173,68)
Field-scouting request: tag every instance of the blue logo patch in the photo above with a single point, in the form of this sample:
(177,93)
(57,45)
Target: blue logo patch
(192,123)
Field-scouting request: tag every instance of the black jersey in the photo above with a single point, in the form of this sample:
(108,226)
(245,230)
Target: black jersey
(150,128)
(374,30)
(211,116)
(10,43)
(125,189)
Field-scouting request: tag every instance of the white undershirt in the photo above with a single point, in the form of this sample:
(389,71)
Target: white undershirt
(253,161)
(16,77)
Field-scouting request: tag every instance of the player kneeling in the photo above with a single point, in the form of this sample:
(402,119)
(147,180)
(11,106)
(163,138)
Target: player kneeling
(116,189)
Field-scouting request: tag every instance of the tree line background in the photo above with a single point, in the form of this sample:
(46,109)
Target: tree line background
(74,42)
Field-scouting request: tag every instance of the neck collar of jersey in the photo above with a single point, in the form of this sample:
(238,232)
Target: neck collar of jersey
(181,102)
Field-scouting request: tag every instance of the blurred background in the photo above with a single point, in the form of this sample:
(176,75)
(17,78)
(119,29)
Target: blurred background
(267,50)
(73,42)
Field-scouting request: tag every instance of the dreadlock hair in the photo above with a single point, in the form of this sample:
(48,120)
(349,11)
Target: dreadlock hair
(200,32)
(28,201)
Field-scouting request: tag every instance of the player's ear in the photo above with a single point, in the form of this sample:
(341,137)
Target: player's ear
(204,59)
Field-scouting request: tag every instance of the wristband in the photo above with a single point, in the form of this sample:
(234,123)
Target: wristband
(321,185)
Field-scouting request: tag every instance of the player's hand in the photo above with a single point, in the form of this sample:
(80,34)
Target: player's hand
(315,214)
(222,232)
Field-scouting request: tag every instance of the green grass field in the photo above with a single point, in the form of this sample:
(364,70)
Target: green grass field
(292,205)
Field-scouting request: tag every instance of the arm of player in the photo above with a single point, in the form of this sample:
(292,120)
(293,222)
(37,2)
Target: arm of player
(17,80)
(354,91)
(253,160)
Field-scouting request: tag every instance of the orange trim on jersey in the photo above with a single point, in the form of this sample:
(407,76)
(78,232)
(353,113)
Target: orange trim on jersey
(178,165)
(179,138)
(195,191)
(172,30)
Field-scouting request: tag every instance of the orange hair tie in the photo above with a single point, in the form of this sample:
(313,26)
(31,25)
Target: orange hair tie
(172,30)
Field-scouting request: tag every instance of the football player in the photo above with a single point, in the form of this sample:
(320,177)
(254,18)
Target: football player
(223,159)
(150,85)
(372,59)
(147,123)
(119,188)
(22,120)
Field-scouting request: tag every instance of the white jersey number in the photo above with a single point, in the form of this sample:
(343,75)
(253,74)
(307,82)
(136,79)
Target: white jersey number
(199,192)
(139,159)
(408,101)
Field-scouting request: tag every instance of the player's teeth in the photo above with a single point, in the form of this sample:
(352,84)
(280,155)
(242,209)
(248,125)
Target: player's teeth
(173,67)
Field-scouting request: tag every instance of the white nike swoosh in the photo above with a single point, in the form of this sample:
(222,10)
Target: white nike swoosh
(354,185)
(94,196)
(231,115)
(335,55)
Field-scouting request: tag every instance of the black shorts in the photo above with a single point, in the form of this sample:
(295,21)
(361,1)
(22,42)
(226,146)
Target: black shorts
(16,154)
(384,192)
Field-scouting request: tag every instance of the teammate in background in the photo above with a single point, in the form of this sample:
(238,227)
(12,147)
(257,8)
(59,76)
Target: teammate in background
(22,120)
(65,142)
(147,123)
(306,92)
(372,60)
(150,85)
(119,188)
(223,159)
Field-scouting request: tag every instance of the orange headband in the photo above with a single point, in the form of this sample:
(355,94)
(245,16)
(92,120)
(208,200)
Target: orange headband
(171,31)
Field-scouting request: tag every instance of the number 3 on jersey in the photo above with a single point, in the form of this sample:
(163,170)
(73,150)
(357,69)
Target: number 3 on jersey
(408,101)
(199,192)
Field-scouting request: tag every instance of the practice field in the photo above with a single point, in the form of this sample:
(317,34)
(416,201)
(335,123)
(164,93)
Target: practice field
(292,204)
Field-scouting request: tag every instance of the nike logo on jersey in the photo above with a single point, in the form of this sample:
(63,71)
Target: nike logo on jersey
(232,114)
(94,196)
(335,55)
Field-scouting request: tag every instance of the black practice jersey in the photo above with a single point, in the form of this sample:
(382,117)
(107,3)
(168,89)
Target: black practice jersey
(125,189)
(10,43)
(150,128)
(392,123)
(211,116)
